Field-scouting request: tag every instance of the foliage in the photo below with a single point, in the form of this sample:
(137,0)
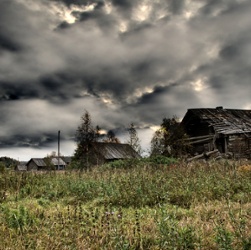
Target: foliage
(85,135)
(133,140)
(158,143)
(2,167)
(18,218)
(48,162)
(122,164)
(170,139)
(8,162)
(160,159)
(174,236)
(111,137)
(152,203)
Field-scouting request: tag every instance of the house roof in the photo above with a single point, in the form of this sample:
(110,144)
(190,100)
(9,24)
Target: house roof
(21,166)
(41,163)
(66,159)
(111,151)
(55,162)
(224,121)
(38,161)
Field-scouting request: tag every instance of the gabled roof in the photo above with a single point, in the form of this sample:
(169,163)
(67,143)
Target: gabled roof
(112,151)
(38,161)
(66,159)
(224,121)
(21,167)
(55,162)
(41,163)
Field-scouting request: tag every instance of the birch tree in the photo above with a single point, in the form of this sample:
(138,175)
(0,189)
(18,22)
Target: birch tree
(134,140)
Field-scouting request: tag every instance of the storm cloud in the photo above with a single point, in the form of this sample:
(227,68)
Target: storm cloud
(124,61)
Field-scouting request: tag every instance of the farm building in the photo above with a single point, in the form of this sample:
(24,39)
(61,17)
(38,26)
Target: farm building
(21,166)
(66,159)
(102,152)
(40,164)
(227,130)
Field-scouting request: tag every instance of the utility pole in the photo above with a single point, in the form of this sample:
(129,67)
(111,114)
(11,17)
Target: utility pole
(58,147)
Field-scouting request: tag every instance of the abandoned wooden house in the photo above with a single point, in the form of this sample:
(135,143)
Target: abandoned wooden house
(40,164)
(227,130)
(21,166)
(101,152)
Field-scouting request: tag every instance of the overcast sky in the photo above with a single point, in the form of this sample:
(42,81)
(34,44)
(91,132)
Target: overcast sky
(122,60)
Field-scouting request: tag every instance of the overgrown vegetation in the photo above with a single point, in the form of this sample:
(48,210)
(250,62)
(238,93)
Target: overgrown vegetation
(170,139)
(156,203)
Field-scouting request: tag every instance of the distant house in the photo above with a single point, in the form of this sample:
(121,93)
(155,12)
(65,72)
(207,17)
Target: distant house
(40,164)
(58,163)
(21,166)
(102,152)
(66,159)
(228,130)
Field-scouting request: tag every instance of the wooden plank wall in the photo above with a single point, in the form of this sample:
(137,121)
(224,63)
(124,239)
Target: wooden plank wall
(240,146)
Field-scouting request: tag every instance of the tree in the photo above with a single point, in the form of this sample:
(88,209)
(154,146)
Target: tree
(48,162)
(157,142)
(85,135)
(170,139)
(8,162)
(111,137)
(133,140)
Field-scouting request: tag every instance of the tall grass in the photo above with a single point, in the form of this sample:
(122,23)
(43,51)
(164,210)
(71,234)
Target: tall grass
(154,204)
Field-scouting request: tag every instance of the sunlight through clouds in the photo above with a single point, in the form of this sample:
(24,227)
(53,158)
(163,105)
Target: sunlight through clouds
(142,12)
(66,14)
(199,84)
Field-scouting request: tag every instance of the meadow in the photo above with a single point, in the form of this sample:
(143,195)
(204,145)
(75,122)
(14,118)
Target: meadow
(144,204)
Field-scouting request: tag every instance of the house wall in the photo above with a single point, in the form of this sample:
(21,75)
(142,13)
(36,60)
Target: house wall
(198,128)
(239,146)
(32,166)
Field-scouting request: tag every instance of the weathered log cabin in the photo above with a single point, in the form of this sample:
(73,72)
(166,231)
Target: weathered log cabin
(228,130)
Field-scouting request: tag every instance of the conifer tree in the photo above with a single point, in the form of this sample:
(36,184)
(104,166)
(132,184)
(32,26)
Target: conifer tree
(85,135)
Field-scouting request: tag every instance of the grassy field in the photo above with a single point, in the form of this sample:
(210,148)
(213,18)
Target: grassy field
(132,205)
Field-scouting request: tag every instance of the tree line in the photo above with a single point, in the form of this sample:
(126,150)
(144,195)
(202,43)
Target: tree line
(168,140)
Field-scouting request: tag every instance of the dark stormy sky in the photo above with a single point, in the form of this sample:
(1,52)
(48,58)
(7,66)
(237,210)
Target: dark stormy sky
(122,60)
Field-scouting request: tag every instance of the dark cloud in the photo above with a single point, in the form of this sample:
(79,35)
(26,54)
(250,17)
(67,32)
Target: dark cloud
(17,90)
(124,61)
(176,6)
(38,141)
(8,44)
(63,25)
(229,52)
(77,2)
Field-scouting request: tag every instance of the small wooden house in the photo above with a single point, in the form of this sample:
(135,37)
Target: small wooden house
(228,130)
(102,152)
(21,166)
(40,164)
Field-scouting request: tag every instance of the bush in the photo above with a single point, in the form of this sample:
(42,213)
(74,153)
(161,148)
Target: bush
(160,159)
(2,167)
(18,218)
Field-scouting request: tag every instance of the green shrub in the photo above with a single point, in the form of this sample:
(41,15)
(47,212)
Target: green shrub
(174,236)
(159,159)
(18,218)
(2,167)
